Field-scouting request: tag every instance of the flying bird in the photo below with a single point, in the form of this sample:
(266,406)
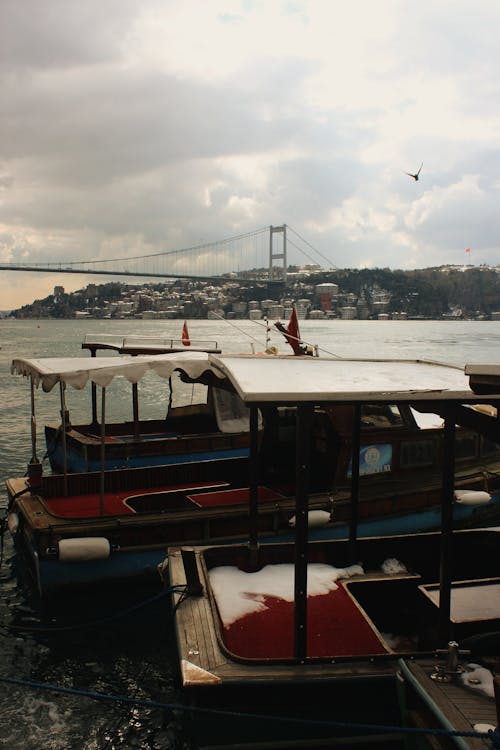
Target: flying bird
(415,176)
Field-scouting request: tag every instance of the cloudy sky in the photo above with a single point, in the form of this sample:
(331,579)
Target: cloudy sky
(130,127)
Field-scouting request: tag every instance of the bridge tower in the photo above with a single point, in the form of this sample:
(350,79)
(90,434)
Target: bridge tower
(278,271)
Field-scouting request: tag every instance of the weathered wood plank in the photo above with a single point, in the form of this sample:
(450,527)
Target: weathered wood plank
(462,708)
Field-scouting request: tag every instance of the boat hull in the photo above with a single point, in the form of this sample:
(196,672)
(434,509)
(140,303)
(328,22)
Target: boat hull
(342,697)
(155,448)
(146,510)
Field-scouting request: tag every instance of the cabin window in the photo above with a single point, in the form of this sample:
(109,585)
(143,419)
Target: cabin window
(465,446)
(417,453)
(380,416)
(187,393)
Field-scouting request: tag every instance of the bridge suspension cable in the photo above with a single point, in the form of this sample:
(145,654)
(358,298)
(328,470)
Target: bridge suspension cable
(328,260)
(242,254)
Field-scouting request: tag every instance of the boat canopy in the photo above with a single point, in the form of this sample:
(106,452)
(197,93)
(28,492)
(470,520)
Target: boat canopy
(78,371)
(273,379)
(286,379)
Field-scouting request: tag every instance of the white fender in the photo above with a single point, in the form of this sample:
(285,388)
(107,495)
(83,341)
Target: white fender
(84,549)
(315,519)
(472,497)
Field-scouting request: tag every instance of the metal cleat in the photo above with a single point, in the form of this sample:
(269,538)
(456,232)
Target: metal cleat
(447,672)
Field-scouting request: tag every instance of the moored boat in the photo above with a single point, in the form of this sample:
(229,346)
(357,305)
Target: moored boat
(195,423)
(102,525)
(314,643)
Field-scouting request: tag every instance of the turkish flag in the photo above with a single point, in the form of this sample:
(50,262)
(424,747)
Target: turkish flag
(292,330)
(185,335)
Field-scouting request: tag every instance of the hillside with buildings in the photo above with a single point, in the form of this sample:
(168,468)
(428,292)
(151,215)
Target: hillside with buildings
(447,292)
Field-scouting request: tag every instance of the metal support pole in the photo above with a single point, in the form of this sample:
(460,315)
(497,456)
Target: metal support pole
(302,471)
(356,447)
(64,428)
(135,410)
(445,625)
(34,459)
(93,353)
(169,396)
(103,447)
(35,468)
(254,486)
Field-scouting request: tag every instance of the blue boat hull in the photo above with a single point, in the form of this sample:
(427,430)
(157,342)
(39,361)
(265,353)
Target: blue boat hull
(53,574)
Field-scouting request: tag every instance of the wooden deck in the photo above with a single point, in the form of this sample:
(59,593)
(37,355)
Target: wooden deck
(205,661)
(462,708)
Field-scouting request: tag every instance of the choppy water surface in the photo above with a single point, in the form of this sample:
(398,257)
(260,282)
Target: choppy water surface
(132,655)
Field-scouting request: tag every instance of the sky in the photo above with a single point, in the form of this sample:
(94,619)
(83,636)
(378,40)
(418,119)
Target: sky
(131,127)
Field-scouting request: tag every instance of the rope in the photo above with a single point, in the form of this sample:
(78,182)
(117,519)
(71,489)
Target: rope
(147,703)
(265,325)
(245,333)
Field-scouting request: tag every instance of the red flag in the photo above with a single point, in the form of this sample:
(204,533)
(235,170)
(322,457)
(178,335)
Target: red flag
(185,335)
(291,332)
(467,249)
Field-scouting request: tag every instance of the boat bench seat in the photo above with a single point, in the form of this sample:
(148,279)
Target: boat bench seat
(126,502)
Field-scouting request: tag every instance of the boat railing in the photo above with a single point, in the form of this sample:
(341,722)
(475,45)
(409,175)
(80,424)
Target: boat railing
(109,341)
(229,469)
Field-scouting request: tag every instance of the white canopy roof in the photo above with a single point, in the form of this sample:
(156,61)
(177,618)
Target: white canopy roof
(77,371)
(289,379)
(270,378)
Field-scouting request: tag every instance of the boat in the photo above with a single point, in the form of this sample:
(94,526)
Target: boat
(333,643)
(116,523)
(113,524)
(195,422)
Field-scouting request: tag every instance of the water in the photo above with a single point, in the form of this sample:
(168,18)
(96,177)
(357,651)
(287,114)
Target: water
(133,655)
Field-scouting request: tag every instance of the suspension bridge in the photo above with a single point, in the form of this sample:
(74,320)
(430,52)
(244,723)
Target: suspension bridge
(261,255)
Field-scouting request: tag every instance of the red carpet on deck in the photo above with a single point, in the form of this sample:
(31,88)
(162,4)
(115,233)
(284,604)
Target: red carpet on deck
(232,497)
(335,627)
(115,503)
